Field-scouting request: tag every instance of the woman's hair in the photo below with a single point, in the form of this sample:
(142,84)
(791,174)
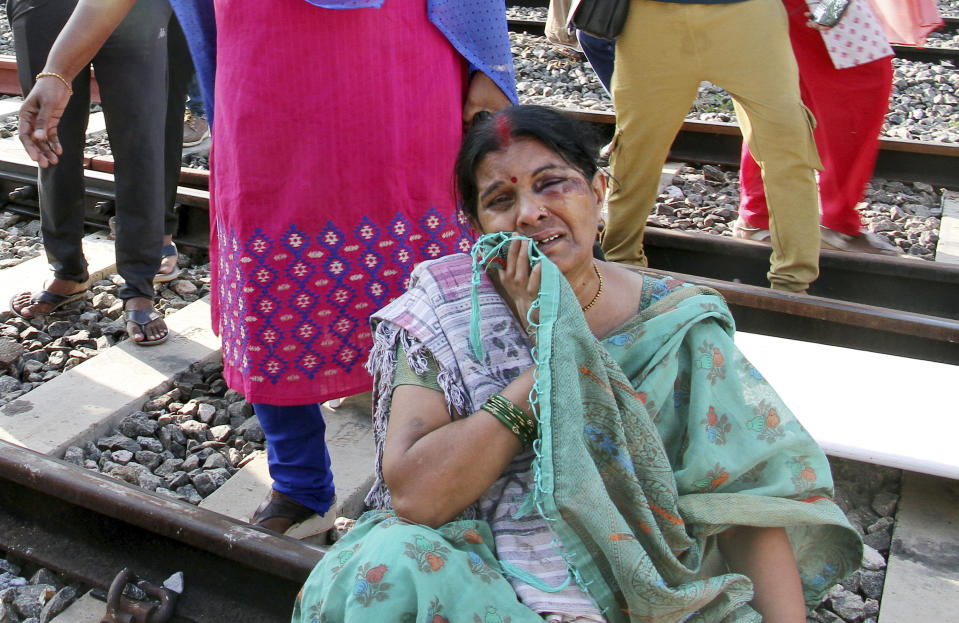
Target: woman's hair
(493,132)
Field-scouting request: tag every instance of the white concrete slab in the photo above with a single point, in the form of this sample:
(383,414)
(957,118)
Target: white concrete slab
(12,149)
(86,609)
(32,274)
(922,577)
(349,437)
(10,106)
(947,250)
(89,399)
(96,124)
(866,406)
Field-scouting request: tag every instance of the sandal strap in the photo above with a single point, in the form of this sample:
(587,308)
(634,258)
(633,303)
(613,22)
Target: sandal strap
(54,299)
(169,250)
(141,317)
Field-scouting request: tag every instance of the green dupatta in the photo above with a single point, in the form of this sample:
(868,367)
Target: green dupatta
(639,465)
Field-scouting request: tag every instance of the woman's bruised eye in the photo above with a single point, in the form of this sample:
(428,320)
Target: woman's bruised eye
(559,184)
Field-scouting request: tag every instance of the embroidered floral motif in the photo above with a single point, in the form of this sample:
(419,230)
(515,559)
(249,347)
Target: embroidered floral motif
(662,287)
(751,370)
(752,476)
(716,427)
(766,424)
(294,303)
(715,478)
(479,567)
(459,535)
(825,577)
(369,585)
(491,615)
(342,558)
(803,475)
(600,442)
(711,359)
(429,555)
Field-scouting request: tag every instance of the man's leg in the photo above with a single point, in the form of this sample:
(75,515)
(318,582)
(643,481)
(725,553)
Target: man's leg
(653,86)
(131,69)
(754,62)
(601,55)
(61,187)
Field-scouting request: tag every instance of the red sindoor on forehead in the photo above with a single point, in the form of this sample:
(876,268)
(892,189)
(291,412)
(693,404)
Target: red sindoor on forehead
(503,130)
(513,179)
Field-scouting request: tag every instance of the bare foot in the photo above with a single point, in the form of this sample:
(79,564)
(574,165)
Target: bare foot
(27,305)
(149,327)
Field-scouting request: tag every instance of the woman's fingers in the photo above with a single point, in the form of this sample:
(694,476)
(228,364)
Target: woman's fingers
(517,262)
(534,279)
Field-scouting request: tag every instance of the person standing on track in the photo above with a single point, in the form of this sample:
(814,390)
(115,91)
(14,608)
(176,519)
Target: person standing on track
(845,76)
(335,124)
(131,68)
(665,50)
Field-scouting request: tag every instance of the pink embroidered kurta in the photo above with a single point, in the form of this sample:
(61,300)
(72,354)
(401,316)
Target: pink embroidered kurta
(319,214)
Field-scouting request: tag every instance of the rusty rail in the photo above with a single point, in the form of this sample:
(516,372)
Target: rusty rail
(90,527)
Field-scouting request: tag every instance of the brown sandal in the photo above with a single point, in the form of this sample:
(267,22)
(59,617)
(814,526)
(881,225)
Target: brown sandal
(279,512)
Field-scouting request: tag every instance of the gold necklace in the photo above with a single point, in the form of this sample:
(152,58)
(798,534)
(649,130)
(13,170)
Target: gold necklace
(598,292)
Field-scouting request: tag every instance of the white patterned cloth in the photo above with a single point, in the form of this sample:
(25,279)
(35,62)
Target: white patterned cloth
(857,39)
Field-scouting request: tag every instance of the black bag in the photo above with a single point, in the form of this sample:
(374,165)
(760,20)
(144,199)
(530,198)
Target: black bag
(599,18)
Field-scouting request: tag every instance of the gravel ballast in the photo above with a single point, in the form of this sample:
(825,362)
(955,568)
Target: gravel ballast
(186,441)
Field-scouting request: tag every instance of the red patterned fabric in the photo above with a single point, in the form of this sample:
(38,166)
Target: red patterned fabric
(336,133)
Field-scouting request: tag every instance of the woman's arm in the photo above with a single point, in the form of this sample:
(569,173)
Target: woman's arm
(89,26)
(435,468)
(765,557)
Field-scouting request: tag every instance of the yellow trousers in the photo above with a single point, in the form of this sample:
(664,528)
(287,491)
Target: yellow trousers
(664,52)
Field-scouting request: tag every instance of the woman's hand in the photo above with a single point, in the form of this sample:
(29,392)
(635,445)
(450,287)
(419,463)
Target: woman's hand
(39,116)
(89,25)
(483,94)
(519,282)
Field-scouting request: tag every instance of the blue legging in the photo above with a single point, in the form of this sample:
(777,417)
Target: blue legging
(601,55)
(296,452)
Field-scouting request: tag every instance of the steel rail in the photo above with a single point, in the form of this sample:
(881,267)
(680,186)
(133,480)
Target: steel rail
(924,54)
(717,142)
(912,303)
(834,322)
(89,527)
(909,285)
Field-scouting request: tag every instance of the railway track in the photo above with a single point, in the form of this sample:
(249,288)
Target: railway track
(891,305)
(89,526)
(926,54)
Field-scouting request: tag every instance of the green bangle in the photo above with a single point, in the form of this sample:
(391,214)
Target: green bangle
(522,425)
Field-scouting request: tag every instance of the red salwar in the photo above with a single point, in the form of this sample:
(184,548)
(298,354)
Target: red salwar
(849,105)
